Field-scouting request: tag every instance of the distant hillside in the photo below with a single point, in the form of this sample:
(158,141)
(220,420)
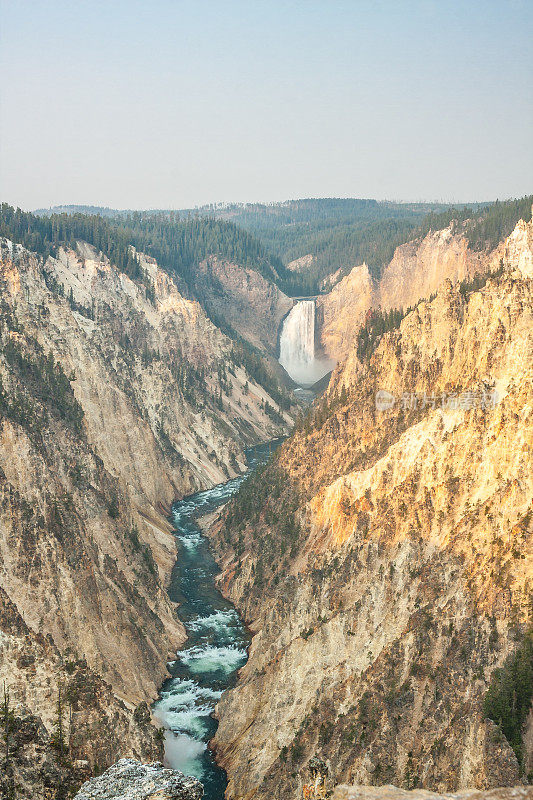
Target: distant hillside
(102,211)
(342,233)
(268,215)
(336,232)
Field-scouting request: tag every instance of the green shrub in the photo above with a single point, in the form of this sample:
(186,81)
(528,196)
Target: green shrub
(508,699)
(112,506)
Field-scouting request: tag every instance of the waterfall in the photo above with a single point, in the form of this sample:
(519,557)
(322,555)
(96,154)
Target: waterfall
(297,345)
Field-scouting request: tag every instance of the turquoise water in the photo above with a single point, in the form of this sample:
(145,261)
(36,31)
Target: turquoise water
(216,646)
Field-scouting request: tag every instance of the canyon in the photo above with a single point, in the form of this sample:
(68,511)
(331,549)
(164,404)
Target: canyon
(381,559)
(266,447)
(114,403)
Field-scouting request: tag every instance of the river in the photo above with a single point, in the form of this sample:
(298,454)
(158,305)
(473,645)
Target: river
(217,642)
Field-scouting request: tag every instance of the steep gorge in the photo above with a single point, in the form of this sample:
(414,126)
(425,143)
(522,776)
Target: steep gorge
(384,558)
(113,403)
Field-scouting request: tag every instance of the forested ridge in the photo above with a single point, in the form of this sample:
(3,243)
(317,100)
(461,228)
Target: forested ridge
(338,233)
(484,228)
(342,234)
(177,244)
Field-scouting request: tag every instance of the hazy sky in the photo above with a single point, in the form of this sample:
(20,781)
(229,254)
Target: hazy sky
(171,103)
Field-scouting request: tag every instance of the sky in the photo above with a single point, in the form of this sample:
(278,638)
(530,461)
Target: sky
(178,103)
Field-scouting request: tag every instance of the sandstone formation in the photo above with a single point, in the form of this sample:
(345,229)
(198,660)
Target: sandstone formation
(130,780)
(386,565)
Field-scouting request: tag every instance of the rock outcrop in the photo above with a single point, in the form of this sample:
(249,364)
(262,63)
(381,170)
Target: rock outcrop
(302,264)
(386,565)
(394,793)
(130,780)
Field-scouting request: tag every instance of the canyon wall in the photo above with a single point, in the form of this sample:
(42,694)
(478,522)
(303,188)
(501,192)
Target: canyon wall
(243,300)
(343,310)
(415,272)
(116,397)
(418,268)
(384,559)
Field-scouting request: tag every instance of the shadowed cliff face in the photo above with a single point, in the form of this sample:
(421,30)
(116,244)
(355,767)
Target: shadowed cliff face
(386,567)
(244,300)
(113,403)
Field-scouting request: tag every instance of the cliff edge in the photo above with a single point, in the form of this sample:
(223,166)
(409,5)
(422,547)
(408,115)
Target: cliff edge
(131,780)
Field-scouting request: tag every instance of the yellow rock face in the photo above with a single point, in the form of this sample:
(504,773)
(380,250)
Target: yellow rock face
(410,580)
(416,271)
(343,310)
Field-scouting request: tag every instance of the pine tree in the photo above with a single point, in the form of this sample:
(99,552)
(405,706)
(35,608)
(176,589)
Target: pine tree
(58,737)
(410,781)
(7,722)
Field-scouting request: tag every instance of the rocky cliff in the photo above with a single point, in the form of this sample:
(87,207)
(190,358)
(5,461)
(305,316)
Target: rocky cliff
(343,309)
(243,300)
(415,272)
(418,268)
(116,397)
(384,559)
(97,728)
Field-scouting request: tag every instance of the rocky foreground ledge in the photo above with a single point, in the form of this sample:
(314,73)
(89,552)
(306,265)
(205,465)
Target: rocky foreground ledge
(393,793)
(130,780)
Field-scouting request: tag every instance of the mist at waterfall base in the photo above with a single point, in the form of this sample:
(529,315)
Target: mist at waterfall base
(216,646)
(297,351)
